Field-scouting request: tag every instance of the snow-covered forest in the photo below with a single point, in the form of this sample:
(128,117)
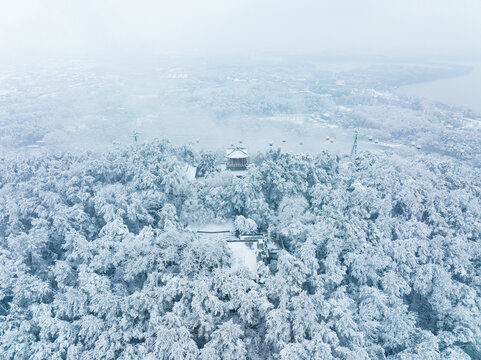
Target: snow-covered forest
(382,257)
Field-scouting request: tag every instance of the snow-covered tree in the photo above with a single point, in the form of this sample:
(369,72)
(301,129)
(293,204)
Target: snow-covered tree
(381,258)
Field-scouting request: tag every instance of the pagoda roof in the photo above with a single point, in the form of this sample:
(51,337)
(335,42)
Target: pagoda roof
(237,153)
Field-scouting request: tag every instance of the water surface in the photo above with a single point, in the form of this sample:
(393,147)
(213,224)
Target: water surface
(463,91)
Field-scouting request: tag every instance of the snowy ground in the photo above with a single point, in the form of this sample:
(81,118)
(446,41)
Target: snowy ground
(244,255)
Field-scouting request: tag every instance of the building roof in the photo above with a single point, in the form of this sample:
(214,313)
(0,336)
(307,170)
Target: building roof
(190,172)
(236,153)
(227,226)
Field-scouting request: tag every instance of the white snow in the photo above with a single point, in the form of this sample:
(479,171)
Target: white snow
(472,124)
(244,255)
(343,108)
(297,119)
(225,226)
(358,186)
(236,153)
(190,172)
(178,76)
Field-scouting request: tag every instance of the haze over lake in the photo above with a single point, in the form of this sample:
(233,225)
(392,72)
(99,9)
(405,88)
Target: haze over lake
(463,91)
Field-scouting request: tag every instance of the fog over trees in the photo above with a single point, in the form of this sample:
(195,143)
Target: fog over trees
(382,257)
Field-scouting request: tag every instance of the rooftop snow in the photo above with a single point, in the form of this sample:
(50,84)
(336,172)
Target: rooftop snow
(226,226)
(236,153)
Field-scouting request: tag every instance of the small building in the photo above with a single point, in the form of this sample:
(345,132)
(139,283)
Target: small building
(247,250)
(236,158)
(244,251)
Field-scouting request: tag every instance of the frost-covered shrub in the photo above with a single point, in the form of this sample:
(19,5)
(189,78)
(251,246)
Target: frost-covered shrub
(245,226)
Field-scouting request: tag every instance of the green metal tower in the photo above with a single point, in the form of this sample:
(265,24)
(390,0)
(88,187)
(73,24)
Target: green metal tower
(135,135)
(354,145)
(459,159)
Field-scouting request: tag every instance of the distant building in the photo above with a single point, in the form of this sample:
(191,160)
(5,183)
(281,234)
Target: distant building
(236,158)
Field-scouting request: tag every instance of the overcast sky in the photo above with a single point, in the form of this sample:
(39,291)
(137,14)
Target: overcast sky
(72,28)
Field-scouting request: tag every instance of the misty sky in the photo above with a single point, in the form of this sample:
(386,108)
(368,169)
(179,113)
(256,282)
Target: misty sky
(66,28)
